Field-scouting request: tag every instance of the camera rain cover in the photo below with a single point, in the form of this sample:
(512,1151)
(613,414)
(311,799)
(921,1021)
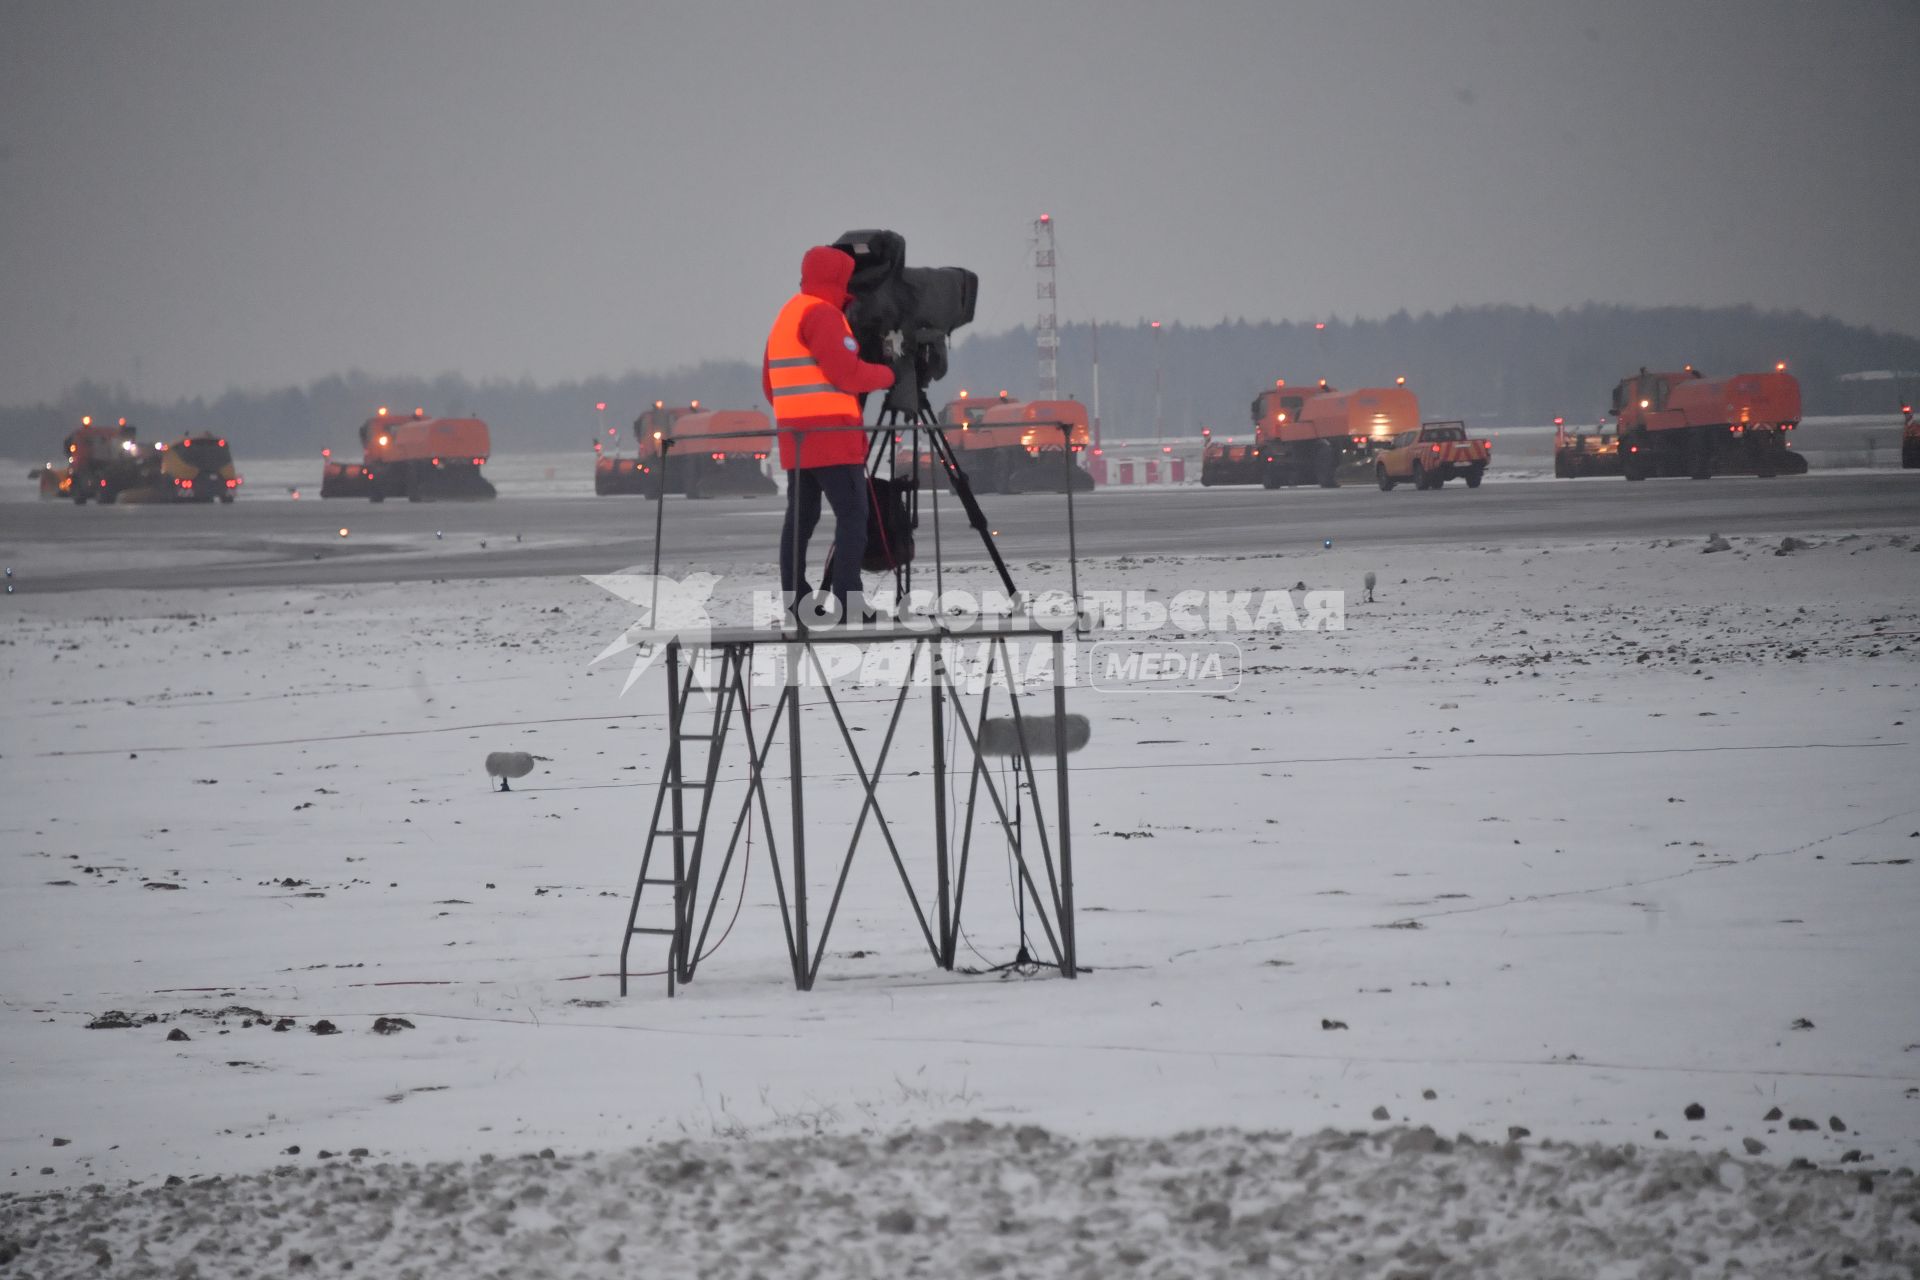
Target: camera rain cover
(923,304)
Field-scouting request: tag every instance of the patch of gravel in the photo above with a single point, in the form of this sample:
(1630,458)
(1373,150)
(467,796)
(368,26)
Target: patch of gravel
(979,1199)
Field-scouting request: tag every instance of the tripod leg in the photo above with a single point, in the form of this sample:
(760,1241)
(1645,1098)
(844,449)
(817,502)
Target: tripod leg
(963,490)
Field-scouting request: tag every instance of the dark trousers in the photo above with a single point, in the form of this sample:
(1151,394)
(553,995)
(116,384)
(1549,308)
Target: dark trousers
(845,488)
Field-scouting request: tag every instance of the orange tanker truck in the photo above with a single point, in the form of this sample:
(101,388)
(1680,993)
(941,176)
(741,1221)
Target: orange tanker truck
(687,450)
(1018,446)
(1685,424)
(1307,435)
(1011,446)
(414,457)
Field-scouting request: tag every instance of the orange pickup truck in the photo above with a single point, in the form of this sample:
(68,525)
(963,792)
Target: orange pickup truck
(1432,455)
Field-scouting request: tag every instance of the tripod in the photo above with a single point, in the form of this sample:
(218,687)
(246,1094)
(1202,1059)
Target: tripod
(884,450)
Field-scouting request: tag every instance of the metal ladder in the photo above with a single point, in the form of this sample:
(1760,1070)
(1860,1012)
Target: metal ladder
(687,838)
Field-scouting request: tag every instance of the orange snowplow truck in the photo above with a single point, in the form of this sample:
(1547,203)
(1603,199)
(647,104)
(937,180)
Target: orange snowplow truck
(1685,424)
(1306,435)
(1909,438)
(1014,446)
(695,452)
(414,457)
(102,462)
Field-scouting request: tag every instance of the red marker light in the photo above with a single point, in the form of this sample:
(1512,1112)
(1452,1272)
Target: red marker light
(223,444)
(601,405)
(1559,422)
(1320,324)
(326,453)
(1045,218)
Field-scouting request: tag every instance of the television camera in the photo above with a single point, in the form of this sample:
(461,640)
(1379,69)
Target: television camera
(903,316)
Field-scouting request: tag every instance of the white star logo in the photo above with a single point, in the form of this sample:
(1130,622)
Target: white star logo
(670,608)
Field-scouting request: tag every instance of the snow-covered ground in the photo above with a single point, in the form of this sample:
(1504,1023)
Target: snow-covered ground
(1579,840)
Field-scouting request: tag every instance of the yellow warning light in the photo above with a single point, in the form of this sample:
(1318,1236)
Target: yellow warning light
(1401,381)
(696,404)
(86,420)
(123,422)
(343,531)
(1780,366)
(659,404)
(657,435)
(1644,403)
(963,393)
(383,411)
(383,440)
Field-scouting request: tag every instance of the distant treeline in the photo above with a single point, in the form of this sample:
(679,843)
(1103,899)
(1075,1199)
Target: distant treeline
(1495,366)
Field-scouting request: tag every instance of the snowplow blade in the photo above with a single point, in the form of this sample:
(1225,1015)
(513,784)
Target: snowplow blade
(1042,474)
(622,475)
(345,480)
(452,484)
(1231,464)
(733,477)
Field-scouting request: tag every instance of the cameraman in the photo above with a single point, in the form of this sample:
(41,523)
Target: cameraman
(812,374)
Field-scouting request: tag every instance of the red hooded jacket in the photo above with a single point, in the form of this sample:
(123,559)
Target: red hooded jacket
(824,273)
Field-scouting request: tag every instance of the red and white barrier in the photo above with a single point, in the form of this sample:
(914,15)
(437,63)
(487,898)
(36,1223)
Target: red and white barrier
(1161,470)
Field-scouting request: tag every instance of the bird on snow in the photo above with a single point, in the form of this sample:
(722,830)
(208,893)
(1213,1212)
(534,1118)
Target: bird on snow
(508,764)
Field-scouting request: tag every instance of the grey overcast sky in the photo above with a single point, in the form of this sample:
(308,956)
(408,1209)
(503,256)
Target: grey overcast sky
(199,195)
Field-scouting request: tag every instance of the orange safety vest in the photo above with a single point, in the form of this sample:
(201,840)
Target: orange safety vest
(801,391)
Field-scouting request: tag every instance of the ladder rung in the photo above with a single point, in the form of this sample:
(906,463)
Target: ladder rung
(663,932)
(670,833)
(687,786)
(659,881)
(696,737)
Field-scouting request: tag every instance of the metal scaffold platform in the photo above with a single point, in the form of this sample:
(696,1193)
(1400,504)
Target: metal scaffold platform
(677,892)
(718,740)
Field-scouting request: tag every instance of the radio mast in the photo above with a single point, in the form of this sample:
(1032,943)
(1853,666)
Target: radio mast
(1046,329)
